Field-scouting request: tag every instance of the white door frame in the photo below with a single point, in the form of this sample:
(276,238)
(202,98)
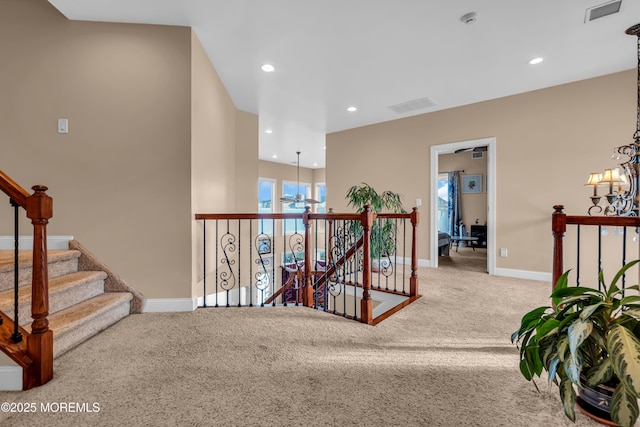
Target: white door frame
(436,150)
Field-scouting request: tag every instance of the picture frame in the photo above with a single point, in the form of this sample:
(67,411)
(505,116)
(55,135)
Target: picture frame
(264,246)
(471,184)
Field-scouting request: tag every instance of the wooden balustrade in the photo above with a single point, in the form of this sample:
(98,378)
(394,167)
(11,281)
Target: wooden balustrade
(35,356)
(353,257)
(559,222)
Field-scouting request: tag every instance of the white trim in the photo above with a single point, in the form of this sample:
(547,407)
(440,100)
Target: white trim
(169,305)
(407,261)
(26,242)
(436,150)
(10,374)
(524,274)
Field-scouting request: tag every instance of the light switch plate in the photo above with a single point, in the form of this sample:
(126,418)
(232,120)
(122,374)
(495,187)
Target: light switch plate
(63,126)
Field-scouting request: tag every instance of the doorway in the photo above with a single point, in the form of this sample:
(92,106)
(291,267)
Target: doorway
(489,186)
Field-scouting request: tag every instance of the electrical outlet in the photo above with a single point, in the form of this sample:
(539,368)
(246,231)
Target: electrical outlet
(503,252)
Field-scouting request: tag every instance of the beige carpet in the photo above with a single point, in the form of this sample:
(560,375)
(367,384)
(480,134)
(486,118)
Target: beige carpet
(446,360)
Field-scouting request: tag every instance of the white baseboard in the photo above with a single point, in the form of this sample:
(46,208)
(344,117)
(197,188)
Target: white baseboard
(26,242)
(421,262)
(169,305)
(524,274)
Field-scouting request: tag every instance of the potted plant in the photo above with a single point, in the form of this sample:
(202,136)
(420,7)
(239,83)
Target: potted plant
(590,340)
(382,233)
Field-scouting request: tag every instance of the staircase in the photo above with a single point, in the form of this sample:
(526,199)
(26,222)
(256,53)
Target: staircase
(79,307)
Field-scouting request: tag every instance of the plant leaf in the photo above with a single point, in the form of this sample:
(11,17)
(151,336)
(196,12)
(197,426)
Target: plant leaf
(568,396)
(562,283)
(624,407)
(619,274)
(574,291)
(588,311)
(563,346)
(553,368)
(578,331)
(633,312)
(624,348)
(547,328)
(573,367)
(629,300)
(601,373)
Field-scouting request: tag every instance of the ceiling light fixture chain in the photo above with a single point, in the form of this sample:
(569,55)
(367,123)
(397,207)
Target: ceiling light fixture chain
(299,197)
(623,182)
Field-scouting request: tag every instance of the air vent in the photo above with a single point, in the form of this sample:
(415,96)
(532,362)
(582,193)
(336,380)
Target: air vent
(477,154)
(415,105)
(602,10)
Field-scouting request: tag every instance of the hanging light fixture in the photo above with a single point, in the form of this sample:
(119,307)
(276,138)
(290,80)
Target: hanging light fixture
(299,198)
(622,197)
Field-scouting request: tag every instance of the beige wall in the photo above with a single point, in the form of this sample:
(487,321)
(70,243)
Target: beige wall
(547,142)
(152,137)
(474,205)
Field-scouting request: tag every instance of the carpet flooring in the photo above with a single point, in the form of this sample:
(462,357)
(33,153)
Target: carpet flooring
(445,360)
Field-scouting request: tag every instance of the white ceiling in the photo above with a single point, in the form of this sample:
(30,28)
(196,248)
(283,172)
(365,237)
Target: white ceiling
(331,54)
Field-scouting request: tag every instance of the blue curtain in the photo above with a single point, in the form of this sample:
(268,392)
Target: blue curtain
(455,211)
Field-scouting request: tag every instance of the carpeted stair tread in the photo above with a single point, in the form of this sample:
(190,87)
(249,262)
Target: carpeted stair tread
(79,322)
(64,291)
(60,262)
(25,258)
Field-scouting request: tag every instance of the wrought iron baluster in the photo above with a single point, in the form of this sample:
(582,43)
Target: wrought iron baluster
(204,262)
(216,268)
(624,257)
(599,254)
(250,265)
(16,336)
(239,284)
(578,256)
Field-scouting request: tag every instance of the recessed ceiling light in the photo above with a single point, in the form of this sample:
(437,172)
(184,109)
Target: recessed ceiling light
(352,109)
(275,156)
(535,61)
(268,68)
(315,164)
(268,131)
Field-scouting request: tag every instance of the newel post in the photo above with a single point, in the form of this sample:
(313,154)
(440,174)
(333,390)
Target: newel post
(366,304)
(307,290)
(413,282)
(40,341)
(558,227)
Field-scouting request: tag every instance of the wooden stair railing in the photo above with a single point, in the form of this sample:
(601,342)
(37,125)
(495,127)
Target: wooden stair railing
(35,355)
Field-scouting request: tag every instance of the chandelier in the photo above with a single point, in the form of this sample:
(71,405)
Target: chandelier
(622,182)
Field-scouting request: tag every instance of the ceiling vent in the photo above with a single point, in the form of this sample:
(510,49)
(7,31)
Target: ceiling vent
(415,105)
(605,9)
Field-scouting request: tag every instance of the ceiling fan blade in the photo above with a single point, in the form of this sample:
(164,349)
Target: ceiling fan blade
(287,200)
(483,148)
(311,201)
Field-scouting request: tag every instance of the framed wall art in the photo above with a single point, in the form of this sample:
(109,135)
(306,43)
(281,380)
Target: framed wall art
(472,183)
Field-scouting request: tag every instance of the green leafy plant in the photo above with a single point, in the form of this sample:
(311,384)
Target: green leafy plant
(382,232)
(591,336)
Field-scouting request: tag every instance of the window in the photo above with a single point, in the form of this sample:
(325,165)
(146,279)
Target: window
(321,196)
(443,202)
(266,201)
(291,190)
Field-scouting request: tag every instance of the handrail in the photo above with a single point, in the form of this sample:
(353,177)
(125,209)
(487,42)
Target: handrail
(36,357)
(13,190)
